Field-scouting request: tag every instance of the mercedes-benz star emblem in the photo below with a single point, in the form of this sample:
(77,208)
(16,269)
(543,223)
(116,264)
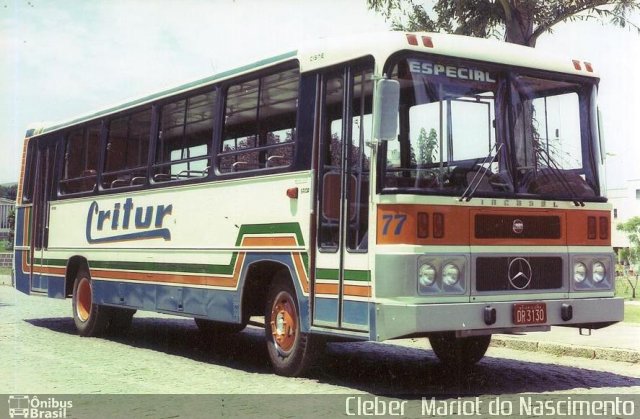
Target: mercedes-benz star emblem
(518,226)
(520,273)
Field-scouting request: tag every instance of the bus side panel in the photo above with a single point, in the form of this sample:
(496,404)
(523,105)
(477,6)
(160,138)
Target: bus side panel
(211,303)
(23,279)
(20,257)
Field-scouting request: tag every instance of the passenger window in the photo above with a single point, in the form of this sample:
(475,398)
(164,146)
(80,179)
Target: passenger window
(260,121)
(127,151)
(79,172)
(183,149)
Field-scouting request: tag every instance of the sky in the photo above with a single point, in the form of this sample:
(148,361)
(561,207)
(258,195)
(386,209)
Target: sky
(63,58)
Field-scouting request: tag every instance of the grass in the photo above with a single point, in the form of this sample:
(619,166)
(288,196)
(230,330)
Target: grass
(624,289)
(631,313)
(5,271)
(3,246)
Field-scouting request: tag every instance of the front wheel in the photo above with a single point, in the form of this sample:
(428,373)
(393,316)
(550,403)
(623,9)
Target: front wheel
(291,352)
(90,318)
(453,351)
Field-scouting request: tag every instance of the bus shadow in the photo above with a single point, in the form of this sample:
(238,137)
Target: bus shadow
(244,351)
(381,369)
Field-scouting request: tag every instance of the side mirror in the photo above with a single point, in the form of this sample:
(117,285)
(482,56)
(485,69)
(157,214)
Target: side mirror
(387,104)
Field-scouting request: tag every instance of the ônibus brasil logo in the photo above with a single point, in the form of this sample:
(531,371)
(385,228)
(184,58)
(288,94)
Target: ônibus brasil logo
(22,406)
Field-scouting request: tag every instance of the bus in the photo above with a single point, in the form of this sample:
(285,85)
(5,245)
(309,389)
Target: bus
(373,187)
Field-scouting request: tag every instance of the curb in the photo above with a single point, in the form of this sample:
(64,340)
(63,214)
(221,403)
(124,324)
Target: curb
(561,349)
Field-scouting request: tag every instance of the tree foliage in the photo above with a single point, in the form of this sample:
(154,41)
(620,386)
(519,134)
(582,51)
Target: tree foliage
(516,21)
(631,228)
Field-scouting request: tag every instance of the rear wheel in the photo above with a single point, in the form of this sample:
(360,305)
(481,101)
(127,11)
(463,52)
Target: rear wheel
(291,352)
(90,319)
(212,327)
(454,351)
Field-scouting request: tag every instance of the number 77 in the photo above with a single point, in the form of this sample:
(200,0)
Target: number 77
(388,218)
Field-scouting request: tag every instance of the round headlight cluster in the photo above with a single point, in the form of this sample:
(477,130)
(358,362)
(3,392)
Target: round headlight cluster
(426,275)
(579,272)
(599,272)
(450,274)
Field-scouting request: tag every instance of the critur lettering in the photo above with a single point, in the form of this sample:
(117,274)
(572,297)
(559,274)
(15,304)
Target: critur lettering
(121,227)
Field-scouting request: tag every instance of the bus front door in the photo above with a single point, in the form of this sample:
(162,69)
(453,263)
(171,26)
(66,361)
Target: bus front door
(342,285)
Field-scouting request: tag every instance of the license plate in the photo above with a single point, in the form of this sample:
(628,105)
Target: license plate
(529,313)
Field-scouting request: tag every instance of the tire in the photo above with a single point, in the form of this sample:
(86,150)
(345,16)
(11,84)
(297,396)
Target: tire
(119,320)
(211,327)
(464,352)
(90,319)
(291,352)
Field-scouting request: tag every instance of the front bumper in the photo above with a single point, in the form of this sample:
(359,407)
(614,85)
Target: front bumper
(394,320)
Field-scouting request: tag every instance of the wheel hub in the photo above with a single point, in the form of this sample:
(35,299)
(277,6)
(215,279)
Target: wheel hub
(283,323)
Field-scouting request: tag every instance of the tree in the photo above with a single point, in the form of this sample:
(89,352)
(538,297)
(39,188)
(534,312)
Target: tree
(632,228)
(517,21)
(427,144)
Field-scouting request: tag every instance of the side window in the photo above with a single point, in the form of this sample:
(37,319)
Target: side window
(127,151)
(260,123)
(79,172)
(183,148)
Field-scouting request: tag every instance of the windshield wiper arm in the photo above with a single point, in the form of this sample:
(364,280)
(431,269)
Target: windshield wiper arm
(556,171)
(468,193)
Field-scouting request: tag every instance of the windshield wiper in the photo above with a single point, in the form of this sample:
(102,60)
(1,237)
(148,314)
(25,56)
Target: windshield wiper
(558,173)
(468,193)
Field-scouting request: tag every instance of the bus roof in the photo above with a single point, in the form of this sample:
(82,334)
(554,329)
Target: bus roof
(326,52)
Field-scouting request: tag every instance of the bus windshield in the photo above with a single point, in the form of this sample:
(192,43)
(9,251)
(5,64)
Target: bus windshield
(476,129)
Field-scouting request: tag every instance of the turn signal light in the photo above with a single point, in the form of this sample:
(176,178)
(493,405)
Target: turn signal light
(438,225)
(591,228)
(604,228)
(423,225)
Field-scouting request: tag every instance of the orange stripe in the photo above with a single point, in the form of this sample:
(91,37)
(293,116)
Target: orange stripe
(269,241)
(350,290)
(23,166)
(302,273)
(211,280)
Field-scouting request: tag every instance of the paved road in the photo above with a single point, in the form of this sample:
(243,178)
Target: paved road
(41,353)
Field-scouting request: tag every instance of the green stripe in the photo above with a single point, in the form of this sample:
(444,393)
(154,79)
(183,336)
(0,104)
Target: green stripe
(271,229)
(349,274)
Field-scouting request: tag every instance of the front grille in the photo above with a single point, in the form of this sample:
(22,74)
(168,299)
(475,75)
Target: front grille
(517,227)
(527,273)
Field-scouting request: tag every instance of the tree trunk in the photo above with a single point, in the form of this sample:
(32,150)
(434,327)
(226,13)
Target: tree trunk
(518,22)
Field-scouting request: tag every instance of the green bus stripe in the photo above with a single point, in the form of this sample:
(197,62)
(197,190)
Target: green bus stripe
(270,229)
(349,274)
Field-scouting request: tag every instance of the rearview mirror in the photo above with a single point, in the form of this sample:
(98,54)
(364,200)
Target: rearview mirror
(387,103)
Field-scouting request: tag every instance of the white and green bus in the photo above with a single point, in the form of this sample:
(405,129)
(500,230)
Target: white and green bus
(365,188)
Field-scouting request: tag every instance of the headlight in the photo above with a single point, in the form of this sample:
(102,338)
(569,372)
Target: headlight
(579,272)
(450,274)
(599,272)
(426,275)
